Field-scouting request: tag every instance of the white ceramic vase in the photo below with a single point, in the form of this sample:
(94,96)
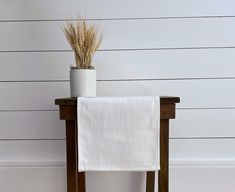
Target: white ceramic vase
(83,82)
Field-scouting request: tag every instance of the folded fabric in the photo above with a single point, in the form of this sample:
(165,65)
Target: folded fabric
(118,133)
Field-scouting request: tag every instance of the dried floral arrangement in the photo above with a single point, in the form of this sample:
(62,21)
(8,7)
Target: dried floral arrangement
(84,40)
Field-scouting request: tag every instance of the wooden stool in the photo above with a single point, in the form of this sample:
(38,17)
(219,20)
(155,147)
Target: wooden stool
(76,180)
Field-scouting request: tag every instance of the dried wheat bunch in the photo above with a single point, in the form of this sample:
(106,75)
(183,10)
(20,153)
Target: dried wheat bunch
(84,39)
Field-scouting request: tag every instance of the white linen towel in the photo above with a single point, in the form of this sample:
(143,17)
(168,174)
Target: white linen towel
(118,133)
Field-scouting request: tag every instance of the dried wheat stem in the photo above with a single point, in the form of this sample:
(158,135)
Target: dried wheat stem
(84,40)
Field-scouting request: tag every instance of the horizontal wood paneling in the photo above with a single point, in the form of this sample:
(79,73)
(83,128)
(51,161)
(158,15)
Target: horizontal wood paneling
(33,66)
(185,47)
(112,9)
(31,125)
(134,34)
(202,149)
(190,123)
(203,179)
(151,8)
(32,152)
(52,152)
(47,179)
(145,64)
(203,123)
(193,93)
(32,96)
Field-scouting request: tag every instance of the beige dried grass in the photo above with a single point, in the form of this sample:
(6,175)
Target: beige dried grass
(84,40)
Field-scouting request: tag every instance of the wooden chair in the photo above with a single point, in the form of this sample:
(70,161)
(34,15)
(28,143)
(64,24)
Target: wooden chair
(76,180)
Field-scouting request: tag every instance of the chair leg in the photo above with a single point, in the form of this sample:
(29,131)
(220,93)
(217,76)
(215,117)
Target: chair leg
(71,149)
(75,179)
(150,181)
(81,182)
(163,174)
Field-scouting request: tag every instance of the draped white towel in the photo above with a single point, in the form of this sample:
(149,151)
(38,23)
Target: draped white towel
(118,133)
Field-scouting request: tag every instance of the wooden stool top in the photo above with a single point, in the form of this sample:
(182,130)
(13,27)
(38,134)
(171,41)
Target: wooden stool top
(68,107)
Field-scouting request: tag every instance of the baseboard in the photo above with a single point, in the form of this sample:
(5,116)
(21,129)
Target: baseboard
(202,163)
(173,163)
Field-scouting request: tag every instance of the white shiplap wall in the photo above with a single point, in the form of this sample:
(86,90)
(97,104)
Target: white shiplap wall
(151,47)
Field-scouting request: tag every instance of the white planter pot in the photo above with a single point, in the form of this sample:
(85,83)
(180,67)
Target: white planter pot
(83,82)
